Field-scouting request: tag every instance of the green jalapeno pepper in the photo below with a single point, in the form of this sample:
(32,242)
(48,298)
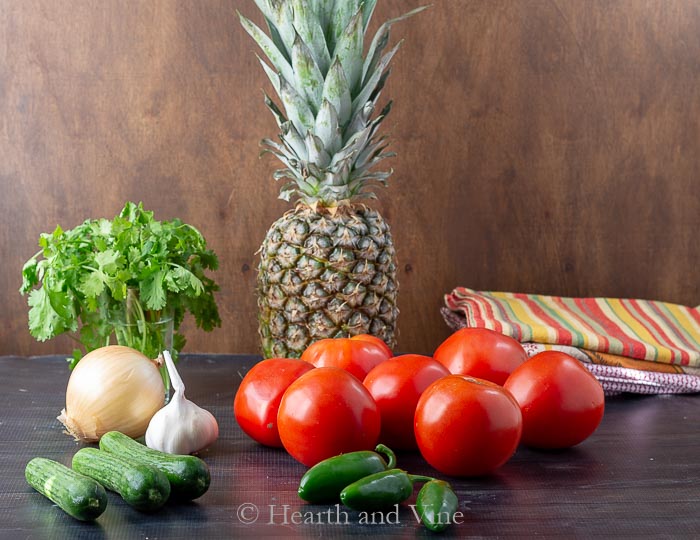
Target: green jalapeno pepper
(437,504)
(324,481)
(380,490)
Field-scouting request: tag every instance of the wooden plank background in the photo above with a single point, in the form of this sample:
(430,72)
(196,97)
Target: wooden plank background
(545,146)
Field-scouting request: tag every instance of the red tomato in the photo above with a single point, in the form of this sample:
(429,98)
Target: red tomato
(481,353)
(327,412)
(376,341)
(259,395)
(358,356)
(396,385)
(466,426)
(561,401)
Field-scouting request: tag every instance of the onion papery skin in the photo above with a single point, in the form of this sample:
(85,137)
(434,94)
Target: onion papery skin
(113,388)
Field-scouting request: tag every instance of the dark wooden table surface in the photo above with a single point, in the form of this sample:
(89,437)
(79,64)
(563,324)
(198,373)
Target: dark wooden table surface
(637,476)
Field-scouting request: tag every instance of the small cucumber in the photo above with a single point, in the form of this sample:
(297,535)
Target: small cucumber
(140,485)
(78,495)
(189,476)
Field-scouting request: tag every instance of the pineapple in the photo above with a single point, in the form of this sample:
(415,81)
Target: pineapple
(328,266)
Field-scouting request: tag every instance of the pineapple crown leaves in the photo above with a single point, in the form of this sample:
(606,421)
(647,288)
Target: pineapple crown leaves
(328,89)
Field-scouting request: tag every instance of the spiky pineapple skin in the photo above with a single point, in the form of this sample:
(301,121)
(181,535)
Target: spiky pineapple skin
(324,275)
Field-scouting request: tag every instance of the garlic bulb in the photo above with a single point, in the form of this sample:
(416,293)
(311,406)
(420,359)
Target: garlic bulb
(181,427)
(101,394)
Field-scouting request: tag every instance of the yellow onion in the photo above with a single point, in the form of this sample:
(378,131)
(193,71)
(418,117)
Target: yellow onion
(113,388)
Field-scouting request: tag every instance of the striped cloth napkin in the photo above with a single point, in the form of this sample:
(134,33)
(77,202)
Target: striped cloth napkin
(639,346)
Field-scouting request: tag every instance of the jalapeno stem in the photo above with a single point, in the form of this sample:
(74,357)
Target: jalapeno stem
(389,453)
(420,478)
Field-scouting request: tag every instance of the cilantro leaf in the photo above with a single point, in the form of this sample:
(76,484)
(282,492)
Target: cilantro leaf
(180,279)
(107,260)
(29,275)
(93,283)
(153,292)
(43,319)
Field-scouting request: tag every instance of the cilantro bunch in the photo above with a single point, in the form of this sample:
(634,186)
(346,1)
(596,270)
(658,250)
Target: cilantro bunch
(82,277)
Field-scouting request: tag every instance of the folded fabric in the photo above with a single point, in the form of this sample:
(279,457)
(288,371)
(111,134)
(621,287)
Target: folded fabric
(630,346)
(637,329)
(618,374)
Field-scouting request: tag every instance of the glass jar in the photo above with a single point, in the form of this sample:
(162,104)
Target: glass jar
(146,331)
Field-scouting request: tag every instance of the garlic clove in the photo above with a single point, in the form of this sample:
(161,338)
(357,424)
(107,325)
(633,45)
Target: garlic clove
(181,427)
